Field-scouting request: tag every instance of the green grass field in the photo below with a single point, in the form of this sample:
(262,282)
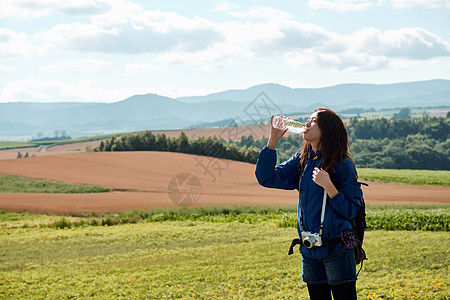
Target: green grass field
(414,177)
(11,145)
(80,139)
(204,260)
(390,217)
(14,184)
(212,253)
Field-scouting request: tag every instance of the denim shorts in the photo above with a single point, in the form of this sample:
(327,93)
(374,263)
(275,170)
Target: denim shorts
(335,269)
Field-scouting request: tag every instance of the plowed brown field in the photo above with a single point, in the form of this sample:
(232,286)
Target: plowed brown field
(141,181)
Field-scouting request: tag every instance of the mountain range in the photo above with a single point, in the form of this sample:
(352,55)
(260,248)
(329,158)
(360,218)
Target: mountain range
(253,105)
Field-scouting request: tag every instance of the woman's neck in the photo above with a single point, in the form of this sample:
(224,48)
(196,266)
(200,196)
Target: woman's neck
(315,147)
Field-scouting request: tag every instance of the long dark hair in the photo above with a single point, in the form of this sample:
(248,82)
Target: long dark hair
(333,143)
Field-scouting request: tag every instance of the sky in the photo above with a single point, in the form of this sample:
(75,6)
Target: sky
(109,50)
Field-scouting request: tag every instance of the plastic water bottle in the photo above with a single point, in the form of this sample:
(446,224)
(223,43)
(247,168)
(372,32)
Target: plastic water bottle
(282,123)
(295,126)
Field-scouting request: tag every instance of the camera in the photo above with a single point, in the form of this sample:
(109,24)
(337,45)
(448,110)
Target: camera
(311,240)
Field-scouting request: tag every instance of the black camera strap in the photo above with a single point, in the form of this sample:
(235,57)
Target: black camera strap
(328,243)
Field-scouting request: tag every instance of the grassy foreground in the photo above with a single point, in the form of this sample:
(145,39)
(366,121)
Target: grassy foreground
(202,260)
(384,217)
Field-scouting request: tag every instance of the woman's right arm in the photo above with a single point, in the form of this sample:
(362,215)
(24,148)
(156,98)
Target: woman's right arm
(283,176)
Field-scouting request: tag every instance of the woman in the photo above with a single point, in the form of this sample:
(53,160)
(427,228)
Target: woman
(323,165)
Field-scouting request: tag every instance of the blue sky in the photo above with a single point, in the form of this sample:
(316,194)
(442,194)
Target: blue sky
(108,50)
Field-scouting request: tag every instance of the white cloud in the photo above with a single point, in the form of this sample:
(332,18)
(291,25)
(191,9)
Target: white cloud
(413,3)
(33,90)
(255,12)
(146,32)
(289,36)
(170,38)
(341,5)
(371,49)
(358,5)
(239,41)
(138,69)
(176,39)
(7,69)
(261,12)
(26,9)
(17,44)
(308,44)
(225,7)
(87,65)
(412,43)
(30,89)
(347,61)
(210,59)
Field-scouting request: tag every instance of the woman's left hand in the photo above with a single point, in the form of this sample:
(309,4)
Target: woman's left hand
(322,178)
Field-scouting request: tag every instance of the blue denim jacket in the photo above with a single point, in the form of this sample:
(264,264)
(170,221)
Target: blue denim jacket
(339,209)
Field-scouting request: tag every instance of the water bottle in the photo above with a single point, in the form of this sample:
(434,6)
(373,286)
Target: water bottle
(282,123)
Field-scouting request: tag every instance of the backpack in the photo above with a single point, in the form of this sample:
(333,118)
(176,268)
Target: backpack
(359,226)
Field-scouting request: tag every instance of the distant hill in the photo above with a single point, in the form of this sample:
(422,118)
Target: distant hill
(344,96)
(240,107)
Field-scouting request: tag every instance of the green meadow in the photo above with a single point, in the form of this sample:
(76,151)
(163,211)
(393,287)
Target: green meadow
(203,260)
(413,177)
(15,184)
(206,253)
(50,143)
(380,217)
(236,252)
(11,145)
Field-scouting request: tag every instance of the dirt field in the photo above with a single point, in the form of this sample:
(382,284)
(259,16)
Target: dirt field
(144,180)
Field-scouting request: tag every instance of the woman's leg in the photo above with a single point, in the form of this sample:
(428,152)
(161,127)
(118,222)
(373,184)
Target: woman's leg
(344,291)
(341,273)
(315,276)
(319,291)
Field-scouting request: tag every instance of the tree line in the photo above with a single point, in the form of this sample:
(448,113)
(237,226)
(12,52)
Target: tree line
(375,143)
(401,144)
(207,146)
(380,128)
(418,152)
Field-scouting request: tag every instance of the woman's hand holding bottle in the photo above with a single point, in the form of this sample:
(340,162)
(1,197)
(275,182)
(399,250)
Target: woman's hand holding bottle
(277,130)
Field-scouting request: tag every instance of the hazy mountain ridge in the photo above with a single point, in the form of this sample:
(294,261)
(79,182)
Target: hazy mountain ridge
(155,112)
(333,94)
